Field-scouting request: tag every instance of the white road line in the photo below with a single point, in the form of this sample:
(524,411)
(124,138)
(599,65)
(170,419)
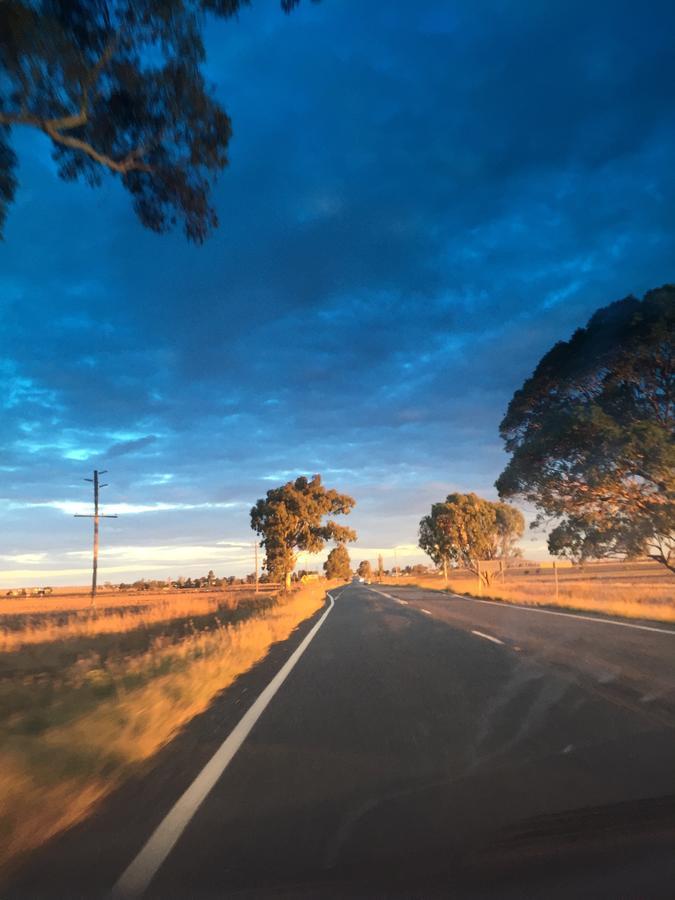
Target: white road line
(488,637)
(425,611)
(388,596)
(136,878)
(550,612)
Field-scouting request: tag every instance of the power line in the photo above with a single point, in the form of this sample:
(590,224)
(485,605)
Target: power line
(96,516)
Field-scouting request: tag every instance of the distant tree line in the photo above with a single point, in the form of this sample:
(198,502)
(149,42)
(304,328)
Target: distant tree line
(197,582)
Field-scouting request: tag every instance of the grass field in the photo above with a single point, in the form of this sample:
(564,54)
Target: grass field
(642,590)
(86,699)
(36,620)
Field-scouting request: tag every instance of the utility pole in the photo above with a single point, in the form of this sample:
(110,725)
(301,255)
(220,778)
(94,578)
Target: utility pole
(255,545)
(95,517)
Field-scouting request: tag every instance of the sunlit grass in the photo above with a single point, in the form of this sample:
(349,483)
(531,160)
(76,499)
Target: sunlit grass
(44,620)
(69,739)
(642,599)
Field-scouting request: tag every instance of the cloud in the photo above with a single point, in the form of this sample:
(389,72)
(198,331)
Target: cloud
(133,446)
(82,508)
(23,558)
(171,554)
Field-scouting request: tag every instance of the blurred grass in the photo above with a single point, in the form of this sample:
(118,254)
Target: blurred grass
(68,737)
(49,619)
(61,646)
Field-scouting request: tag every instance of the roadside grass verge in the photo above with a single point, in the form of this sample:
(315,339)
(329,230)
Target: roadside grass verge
(655,601)
(67,740)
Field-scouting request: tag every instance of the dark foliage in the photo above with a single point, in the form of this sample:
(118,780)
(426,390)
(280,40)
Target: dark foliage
(117,85)
(592,434)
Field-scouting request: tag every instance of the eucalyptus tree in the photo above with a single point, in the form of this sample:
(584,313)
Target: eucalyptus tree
(338,564)
(290,519)
(466,529)
(365,569)
(117,86)
(592,435)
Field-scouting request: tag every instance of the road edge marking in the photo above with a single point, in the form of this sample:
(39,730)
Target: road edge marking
(551,612)
(137,876)
(554,612)
(382,594)
(488,637)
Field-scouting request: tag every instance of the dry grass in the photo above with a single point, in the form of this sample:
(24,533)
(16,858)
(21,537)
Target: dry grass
(68,741)
(629,592)
(70,600)
(39,620)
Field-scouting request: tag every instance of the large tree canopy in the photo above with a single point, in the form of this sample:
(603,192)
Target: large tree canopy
(465,530)
(290,519)
(116,85)
(592,434)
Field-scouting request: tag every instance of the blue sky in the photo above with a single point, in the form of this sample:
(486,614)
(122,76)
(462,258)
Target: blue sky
(422,197)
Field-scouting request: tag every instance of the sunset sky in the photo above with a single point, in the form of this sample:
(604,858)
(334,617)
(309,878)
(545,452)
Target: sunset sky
(422,198)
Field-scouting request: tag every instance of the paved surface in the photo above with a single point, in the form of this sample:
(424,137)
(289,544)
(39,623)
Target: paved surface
(409,754)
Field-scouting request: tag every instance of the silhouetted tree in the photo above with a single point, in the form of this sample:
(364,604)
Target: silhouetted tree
(592,434)
(116,86)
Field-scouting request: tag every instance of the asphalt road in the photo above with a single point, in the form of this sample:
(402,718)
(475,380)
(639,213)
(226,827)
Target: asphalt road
(422,746)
